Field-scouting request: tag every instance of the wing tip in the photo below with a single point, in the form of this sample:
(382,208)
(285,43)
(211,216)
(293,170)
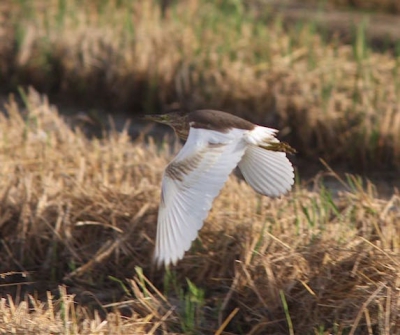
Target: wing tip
(277,176)
(165,262)
(167,259)
(289,182)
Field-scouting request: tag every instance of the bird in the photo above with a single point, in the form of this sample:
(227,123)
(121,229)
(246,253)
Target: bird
(216,143)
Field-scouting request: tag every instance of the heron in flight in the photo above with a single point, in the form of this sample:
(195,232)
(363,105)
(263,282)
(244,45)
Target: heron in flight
(216,142)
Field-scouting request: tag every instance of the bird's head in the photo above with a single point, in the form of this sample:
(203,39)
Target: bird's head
(167,119)
(175,119)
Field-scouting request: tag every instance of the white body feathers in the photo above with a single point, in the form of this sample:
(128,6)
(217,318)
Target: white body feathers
(197,174)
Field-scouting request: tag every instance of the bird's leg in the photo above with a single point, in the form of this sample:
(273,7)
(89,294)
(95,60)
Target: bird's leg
(279,146)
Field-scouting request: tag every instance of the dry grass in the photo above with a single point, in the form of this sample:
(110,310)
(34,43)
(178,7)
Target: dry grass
(339,102)
(78,217)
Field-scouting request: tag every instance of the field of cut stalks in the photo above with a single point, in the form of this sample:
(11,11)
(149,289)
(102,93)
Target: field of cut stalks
(78,221)
(78,214)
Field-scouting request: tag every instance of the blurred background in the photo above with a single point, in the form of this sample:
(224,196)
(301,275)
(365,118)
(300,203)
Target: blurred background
(79,192)
(326,73)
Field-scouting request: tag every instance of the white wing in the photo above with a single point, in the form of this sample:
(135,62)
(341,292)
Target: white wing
(268,172)
(190,184)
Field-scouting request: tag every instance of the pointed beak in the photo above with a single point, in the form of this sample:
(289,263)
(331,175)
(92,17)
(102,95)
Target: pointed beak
(160,118)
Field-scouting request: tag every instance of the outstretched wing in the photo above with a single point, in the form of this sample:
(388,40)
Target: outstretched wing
(190,184)
(267,172)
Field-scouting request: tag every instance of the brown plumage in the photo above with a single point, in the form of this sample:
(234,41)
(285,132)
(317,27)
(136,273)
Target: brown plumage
(211,120)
